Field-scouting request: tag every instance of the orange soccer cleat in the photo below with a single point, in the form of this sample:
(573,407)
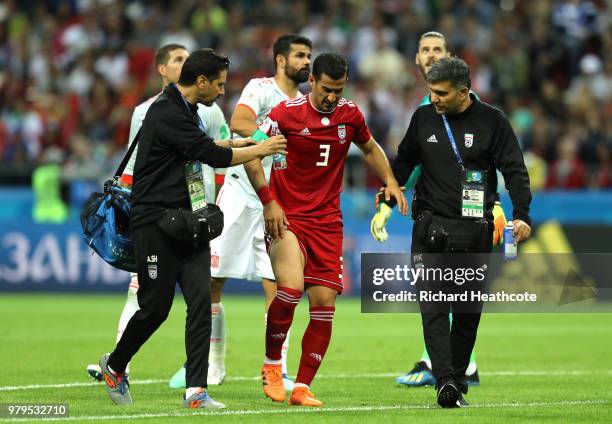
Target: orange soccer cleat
(301,396)
(272,380)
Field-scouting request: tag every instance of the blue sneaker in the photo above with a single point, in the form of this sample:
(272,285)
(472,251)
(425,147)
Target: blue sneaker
(288,383)
(420,375)
(201,399)
(117,384)
(473,379)
(178,379)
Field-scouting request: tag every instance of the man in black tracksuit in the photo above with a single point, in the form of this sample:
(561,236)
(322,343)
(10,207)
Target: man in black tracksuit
(447,220)
(172,135)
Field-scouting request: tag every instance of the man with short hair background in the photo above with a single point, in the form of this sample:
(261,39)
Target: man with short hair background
(444,222)
(431,48)
(169,60)
(172,137)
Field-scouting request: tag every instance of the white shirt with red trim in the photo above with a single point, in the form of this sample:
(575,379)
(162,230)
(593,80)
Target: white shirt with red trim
(216,127)
(260,95)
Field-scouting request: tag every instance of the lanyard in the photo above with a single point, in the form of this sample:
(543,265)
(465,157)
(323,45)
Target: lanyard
(200,123)
(452,141)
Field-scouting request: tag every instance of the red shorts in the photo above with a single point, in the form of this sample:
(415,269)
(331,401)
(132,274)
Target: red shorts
(321,245)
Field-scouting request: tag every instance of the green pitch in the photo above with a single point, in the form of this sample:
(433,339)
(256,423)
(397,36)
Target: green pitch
(537,368)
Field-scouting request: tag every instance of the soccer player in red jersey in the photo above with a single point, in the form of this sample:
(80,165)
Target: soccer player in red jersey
(303,218)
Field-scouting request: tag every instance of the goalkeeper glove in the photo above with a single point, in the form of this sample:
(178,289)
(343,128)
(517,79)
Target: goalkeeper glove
(499,222)
(379,221)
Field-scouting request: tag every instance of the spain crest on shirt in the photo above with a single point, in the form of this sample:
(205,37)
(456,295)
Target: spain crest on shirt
(469,139)
(342,133)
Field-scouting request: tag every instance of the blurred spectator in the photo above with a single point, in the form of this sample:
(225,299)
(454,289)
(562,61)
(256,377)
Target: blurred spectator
(568,171)
(603,175)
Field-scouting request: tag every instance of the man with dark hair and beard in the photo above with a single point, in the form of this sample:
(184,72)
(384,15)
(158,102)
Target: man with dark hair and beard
(240,251)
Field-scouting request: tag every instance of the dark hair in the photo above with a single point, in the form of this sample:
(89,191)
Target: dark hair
(333,65)
(203,62)
(283,44)
(434,34)
(162,55)
(451,69)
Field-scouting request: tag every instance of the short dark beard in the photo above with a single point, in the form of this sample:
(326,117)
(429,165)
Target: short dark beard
(297,76)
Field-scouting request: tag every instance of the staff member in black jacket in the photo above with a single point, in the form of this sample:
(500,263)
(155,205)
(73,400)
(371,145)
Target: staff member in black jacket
(172,136)
(459,142)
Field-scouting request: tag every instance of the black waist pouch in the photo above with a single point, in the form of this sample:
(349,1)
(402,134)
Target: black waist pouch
(441,234)
(192,227)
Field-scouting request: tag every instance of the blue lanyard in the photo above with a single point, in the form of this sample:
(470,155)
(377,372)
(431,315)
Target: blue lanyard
(452,141)
(200,123)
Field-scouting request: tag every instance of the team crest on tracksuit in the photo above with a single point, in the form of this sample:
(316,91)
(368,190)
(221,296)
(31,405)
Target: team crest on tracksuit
(469,139)
(152,266)
(152,271)
(342,133)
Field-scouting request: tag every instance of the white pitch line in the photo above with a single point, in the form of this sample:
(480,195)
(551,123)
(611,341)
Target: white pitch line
(319,377)
(292,410)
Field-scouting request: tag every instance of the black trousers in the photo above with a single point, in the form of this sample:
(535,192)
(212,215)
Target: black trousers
(161,263)
(450,346)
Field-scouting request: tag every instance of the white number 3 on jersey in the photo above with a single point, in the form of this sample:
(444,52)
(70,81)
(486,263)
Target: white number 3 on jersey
(324,154)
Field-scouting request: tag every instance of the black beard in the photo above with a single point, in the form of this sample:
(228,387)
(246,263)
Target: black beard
(298,77)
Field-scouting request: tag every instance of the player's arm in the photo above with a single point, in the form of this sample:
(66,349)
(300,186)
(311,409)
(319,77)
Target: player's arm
(377,160)
(274,216)
(243,121)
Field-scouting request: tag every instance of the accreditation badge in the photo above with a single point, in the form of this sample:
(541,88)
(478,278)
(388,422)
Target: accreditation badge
(473,194)
(195,185)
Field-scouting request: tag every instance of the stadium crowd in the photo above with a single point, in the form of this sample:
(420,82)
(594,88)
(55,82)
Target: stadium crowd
(71,72)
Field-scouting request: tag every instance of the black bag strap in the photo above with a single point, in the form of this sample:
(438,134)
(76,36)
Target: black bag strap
(127,156)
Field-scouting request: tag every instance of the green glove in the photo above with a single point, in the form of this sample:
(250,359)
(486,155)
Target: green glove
(416,173)
(379,221)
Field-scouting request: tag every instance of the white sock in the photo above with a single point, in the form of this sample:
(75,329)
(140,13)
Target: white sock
(471,369)
(428,362)
(129,309)
(271,361)
(284,350)
(217,336)
(190,391)
(301,385)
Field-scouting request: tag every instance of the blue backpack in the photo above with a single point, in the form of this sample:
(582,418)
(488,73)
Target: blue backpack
(106,220)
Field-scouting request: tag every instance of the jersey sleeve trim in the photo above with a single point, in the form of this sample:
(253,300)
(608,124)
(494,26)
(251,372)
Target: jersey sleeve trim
(248,107)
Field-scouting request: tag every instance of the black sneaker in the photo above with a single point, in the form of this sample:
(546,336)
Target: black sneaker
(473,379)
(461,402)
(449,395)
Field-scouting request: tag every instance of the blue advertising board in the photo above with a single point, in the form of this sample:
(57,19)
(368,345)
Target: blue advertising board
(54,257)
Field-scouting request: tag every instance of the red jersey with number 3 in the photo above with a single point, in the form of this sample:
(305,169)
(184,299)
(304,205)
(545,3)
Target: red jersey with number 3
(317,145)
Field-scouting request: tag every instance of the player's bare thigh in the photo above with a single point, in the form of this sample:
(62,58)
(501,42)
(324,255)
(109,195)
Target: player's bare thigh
(288,262)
